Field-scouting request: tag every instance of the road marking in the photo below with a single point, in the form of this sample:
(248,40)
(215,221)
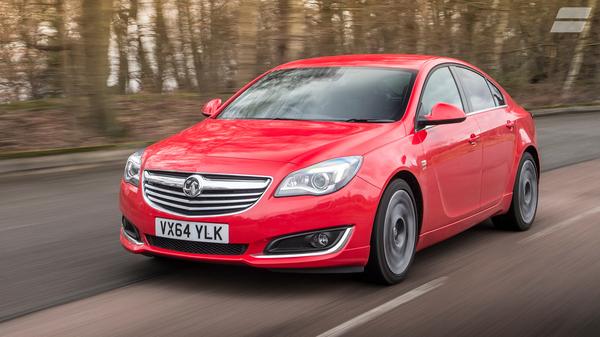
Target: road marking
(560,225)
(384,308)
(20,226)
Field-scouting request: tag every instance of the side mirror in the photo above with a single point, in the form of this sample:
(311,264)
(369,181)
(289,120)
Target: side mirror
(442,113)
(210,108)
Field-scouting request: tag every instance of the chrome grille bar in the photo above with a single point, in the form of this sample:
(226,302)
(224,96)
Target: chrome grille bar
(193,202)
(212,195)
(209,184)
(221,193)
(212,208)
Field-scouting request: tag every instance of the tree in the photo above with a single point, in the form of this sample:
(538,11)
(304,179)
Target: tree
(120,28)
(95,33)
(246,47)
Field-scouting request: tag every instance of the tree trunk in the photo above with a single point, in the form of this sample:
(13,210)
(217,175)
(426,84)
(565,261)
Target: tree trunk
(160,46)
(296,30)
(422,9)
(120,29)
(282,30)
(170,51)
(246,51)
(196,57)
(95,29)
(59,60)
(182,23)
(326,33)
(499,34)
(145,77)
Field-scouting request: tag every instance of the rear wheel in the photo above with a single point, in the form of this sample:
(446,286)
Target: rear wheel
(394,236)
(523,207)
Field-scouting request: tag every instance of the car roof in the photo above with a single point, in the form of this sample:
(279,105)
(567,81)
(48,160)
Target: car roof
(407,61)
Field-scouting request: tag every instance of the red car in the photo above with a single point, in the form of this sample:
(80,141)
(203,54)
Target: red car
(343,163)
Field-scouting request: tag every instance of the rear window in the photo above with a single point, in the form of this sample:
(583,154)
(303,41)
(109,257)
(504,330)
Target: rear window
(332,94)
(498,97)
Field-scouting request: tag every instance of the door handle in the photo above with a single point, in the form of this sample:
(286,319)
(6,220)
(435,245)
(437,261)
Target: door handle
(510,125)
(474,138)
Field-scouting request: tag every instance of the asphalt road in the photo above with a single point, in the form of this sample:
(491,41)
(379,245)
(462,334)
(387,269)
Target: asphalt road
(62,271)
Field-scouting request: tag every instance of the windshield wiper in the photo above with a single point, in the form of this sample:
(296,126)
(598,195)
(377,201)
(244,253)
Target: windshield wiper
(364,120)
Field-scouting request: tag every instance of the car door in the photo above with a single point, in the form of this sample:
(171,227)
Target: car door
(488,109)
(452,154)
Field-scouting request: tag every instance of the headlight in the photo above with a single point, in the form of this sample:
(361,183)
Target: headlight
(322,178)
(132,168)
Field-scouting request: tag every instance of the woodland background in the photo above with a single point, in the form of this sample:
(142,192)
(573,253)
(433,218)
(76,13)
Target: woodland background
(91,72)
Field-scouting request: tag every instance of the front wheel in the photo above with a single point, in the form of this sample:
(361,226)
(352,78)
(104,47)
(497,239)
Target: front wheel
(394,236)
(524,203)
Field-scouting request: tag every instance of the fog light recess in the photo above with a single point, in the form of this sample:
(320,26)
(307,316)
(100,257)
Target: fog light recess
(130,230)
(308,242)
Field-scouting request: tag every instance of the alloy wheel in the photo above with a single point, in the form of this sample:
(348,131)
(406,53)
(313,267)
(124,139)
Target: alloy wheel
(399,231)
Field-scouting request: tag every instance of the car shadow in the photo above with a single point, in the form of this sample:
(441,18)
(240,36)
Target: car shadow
(236,279)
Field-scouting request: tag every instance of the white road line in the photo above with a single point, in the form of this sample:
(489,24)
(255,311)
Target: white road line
(20,226)
(560,225)
(384,308)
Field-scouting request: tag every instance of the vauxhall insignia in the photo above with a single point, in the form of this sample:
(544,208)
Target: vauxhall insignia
(192,186)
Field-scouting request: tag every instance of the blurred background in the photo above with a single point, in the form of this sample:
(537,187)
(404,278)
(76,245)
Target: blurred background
(80,73)
(85,82)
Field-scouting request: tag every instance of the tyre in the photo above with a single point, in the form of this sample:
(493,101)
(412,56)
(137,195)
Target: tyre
(523,207)
(394,235)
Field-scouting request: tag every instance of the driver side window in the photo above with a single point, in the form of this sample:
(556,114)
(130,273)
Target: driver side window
(440,87)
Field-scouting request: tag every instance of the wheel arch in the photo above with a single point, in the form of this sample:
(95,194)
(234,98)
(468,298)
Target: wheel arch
(534,153)
(372,268)
(413,182)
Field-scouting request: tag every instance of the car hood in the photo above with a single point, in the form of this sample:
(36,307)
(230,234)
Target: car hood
(268,140)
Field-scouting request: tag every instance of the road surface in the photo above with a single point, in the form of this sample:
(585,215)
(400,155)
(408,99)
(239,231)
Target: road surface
(63,272)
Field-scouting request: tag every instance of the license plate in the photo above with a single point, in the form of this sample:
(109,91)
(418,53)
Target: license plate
(192,231)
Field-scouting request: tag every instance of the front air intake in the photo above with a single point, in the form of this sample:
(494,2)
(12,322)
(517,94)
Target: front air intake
(194,247)
(130,229)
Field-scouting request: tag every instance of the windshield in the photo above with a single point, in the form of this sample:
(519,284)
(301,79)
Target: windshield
(353,94)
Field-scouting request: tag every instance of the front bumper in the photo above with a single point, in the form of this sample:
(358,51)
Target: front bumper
(354,205)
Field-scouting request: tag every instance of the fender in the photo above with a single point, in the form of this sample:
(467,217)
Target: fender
(380,174)
(525,138)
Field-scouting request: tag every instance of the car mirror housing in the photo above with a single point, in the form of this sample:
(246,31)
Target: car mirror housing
(442,113)
(211,107)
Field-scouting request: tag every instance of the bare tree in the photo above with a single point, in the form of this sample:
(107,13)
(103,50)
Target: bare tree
(296,30)
(95,31)
(58,48)
(246,47)
(162,50)
(499,35)
(282,30)
(184,43)
(120,26)
(146,77)
(194,36)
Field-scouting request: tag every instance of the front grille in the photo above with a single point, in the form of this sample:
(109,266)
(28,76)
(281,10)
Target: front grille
(196,247)
(221,194)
